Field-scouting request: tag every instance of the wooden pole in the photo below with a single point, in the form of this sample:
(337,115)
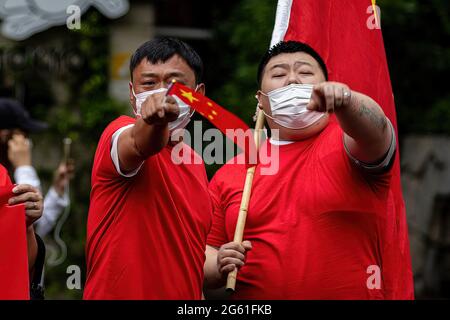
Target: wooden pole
(246,194)
(66,153)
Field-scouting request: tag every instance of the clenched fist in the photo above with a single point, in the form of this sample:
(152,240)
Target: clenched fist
(159,109)
(32,199)
(232,255)
(329,97)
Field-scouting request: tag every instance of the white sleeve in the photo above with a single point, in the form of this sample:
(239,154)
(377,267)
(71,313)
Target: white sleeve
(382,165)
(54,206)
(115,153)
(27,175)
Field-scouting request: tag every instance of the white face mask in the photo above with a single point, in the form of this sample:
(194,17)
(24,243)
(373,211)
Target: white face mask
(185,111)
(288,105)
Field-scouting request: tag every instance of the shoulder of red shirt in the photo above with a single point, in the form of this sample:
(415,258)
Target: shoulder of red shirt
(118,123)
(123,121)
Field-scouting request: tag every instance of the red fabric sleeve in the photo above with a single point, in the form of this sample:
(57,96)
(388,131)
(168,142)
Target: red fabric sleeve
(4,178)
(217,236)
(103,166)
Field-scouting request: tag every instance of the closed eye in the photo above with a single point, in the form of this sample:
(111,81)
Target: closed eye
(306,72)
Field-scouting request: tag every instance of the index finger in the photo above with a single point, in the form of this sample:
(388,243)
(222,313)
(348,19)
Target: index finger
(318,89)
(234,246)
(159,98)
(21,188)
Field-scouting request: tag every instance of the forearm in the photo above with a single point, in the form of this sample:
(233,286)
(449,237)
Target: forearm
(140,142)
(213,279)
(367,131)
(150,138)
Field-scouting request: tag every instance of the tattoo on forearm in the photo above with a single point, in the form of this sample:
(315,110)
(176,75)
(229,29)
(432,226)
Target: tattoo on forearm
(378,120)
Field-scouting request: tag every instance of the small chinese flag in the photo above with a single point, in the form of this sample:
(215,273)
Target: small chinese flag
(228,123)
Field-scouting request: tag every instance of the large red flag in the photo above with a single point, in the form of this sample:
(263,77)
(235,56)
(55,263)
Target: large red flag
(347,35)
(13,246)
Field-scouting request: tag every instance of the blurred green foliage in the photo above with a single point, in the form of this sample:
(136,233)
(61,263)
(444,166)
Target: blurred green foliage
(417,42)
(416,39)
(240,41)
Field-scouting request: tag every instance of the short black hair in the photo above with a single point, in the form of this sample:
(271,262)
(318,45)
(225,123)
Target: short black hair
(289,47)
(162,49)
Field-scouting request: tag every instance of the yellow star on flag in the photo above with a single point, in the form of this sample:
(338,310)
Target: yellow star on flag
(188,95)
(213,112)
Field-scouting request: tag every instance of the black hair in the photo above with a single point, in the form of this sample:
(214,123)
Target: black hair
(162,49)
(289,47)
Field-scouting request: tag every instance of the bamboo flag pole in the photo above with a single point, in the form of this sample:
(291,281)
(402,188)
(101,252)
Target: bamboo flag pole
(240,225)
(66,154)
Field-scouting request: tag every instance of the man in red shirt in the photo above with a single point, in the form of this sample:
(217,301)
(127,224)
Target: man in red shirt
(149,217)
(322,226)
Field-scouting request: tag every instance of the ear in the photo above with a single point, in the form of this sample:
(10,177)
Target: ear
(201,88)
(258,97)
(132,98)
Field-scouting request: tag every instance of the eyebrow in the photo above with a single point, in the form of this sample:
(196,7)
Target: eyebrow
(301,62)
(287,66)
(155,75)
(280,65)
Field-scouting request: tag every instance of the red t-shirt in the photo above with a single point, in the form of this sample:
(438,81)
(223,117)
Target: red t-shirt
(320,227)
(146,235)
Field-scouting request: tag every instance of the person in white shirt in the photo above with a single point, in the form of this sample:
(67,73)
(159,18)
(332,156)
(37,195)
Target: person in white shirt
(15,155)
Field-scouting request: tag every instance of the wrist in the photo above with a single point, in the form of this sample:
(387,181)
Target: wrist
(348,101)
(159,125)
(22,163)
(217,280)
(30,230)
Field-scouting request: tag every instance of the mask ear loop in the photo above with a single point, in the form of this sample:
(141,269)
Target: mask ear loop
(255,116)
(260,109)
(135,111)
(257,109)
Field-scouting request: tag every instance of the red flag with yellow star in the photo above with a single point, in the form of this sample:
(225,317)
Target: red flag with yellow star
(228,123)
